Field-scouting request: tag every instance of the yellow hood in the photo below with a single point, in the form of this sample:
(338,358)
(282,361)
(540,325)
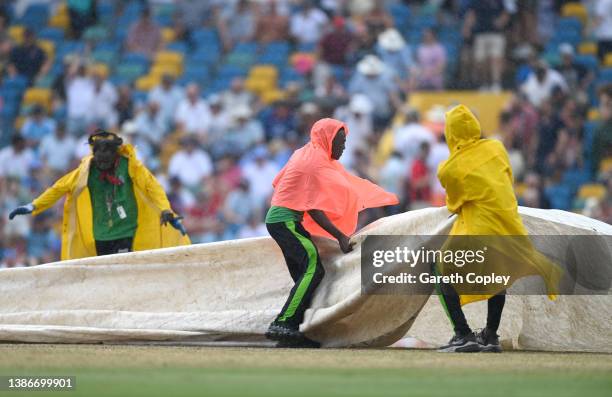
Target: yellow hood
(461,129)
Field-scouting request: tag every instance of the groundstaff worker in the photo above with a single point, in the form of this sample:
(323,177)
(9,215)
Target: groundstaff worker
(113,204)
(478,182)
(313,193)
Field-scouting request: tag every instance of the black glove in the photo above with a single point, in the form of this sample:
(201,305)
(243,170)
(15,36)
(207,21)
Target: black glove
(166,216)
(23,210)
(178,225)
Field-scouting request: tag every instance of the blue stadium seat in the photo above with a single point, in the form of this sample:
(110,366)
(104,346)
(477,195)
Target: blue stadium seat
(35,16)
(588,61)
(277,47)
(178,46)
(587,138)
(134,59)
(205,57)
(400,14)
(605,75)
(277,59)
(306,47)
(204,36)
(574,178)
(569,23)
(54,34)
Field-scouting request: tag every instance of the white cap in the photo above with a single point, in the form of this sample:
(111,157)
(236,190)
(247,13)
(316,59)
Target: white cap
(391,40)
(370,65)
(241,112)
(129,127)
(566,49)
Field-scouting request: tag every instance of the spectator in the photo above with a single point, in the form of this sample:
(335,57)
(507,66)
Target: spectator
(144,36)
(358,118)
(335,47)
(80,94)
(541,82)
(15,160)
(522,123)
(190,164)
(103,113)
(603,27)
(391,176)
(308,24)
(82,15)
(37,126)
(237,25)
(397,56)
(272,25)
(431,57)
(237,209)
(376,82)
(420,177)
(244,132)
(124,105)
(602,141)
(151,124)
(56,150)
(409,138)
(28,59)
(6,44)
(280,121)
(220,120)
(534,192)
(253,228)
(237,95)
(181,199)
(577,77)
(193,114)
(260,173)
(377,19)
(43,244)
(168,96)
(486,21)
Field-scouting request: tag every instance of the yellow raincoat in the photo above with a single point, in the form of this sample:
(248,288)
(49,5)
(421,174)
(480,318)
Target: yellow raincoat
(77,225)
(478,182)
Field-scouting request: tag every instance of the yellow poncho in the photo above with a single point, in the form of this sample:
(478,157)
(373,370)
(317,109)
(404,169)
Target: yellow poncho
(478,182)
(77,224)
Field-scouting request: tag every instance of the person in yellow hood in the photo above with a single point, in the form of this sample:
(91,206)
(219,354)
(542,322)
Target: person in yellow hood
(479,189)
(113,204)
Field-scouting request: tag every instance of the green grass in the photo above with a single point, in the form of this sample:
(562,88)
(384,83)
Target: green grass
(177,371)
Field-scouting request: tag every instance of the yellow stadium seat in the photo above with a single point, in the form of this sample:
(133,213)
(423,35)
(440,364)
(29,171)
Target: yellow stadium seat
(593,114)
(48,47)
(587,48)
(259,86)
(264,71)
(608,59)
(606,165)
(36,95)
(146,83)
(61,19)
(576,10)
(169,57)
(271,96)
(592,190)
(159,69)
(16,33)
(168,35)
(19,122)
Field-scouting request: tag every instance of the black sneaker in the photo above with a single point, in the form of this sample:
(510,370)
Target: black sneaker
(461,344)
(488,341)
(281,331)
(299,343)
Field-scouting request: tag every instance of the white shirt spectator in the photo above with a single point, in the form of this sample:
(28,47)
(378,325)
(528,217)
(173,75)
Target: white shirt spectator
(539,91)
(57,152)
(408,140)
(15,164)
(190,166)
(250,231)
(308,26)
(603,11)
(168,100)
(80,95)
(438,152)
(195,117)
(104,100)
(260,174)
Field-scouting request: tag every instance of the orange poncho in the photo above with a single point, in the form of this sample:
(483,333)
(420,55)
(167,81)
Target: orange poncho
(311,179)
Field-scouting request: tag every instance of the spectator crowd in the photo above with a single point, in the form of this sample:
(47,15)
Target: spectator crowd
(216,96)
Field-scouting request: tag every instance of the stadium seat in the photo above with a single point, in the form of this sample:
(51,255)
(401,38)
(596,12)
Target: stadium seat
(178,46)
(271,96)
(559,196)
(129,72)
(15,32)
(569,23)
(608,60)
(39,96)
(160,69)
(96,33)
(576,10)
(606,165)
(592,190)
(54,34)
(104,56)
(605,75)
(60,19)
(400,14)
(148,82)
(574,178)
(35,16)
(587,48)
(169,57)
(588,61)
(520,189)
(168,35)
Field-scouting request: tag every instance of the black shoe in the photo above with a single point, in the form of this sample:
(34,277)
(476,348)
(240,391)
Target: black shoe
(461,344)
(299,343)
(488,341)
(283,332)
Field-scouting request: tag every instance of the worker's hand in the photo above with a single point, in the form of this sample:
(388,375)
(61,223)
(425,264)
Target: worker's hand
(23,210)
(345,245)
(166,216)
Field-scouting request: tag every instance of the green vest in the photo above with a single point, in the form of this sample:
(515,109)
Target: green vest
(114,207)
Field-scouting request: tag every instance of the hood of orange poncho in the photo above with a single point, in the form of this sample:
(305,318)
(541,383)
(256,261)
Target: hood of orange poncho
(311,179)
